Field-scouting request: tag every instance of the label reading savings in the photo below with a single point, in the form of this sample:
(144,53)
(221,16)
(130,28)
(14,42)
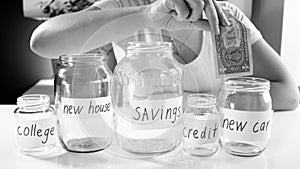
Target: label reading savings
(85,107)
(156,114)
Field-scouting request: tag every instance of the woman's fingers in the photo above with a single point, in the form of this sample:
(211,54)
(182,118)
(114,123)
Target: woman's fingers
(181,9)
(176,24)
(187,14)
(212,16)
(196,8)
(221,15)
(186,10)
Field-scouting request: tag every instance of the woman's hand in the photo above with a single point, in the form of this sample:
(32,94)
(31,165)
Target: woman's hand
(186,14)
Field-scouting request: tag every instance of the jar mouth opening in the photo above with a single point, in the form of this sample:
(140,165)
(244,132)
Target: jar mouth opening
(201,100)
(33,101)
(152,34)
(248,84)
(149,46)
(82,58)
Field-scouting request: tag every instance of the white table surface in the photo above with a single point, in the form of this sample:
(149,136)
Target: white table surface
(282,152)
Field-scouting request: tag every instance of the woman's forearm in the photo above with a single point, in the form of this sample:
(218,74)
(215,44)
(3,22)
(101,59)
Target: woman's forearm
(86,30)
(284,97)
(269,65)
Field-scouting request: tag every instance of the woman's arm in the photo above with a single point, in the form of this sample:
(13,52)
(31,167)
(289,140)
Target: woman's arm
(88,29)
(76,32)
(268,64)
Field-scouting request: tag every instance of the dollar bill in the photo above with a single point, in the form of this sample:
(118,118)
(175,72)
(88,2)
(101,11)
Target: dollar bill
(233,54)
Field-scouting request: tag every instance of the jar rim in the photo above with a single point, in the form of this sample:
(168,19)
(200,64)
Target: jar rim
(250,84)
(201,100)
(149,46)
(33,101)
(149,43)
(82,58)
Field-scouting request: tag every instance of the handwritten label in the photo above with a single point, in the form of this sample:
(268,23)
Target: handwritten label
(202,129)
(84,108)
(36,133)
(246,125)
(153,114)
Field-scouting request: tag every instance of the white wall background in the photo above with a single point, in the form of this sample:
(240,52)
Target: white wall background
(290,44)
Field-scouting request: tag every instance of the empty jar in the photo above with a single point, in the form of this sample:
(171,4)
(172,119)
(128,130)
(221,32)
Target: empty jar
(148,99)
(83,103)
(246,109)
(36,125)
(201,125)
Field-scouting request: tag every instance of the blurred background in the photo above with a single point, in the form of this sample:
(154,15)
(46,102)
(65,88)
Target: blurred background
(21,68)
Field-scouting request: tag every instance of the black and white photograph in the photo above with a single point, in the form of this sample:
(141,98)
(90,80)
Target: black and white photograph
(151,84)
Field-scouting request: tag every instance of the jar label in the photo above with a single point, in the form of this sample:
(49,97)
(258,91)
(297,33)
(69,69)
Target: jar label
(200,130)
(152,114)
(85,117)
(246,125)
(84,108)
(36,133)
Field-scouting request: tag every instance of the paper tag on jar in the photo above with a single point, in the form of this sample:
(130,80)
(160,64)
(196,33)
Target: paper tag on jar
(36,133)
(246,125)
(84,108)
(200,130)
(153,114)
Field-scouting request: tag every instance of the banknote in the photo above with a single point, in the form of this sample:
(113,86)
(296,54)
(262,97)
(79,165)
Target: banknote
(233,54)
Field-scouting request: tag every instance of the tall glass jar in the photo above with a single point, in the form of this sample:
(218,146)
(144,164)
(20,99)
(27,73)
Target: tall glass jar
(83,102)
(246,108)
(148,99)
(201,125)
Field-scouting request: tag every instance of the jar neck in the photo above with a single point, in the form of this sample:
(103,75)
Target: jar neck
(201,100)
(150,48)
(33,102)
(247,84)
(152,35)
(83,59)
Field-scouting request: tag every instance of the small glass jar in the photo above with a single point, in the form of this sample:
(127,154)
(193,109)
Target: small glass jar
(36,130)
(246,108)
(148,99)
(83,103)
(201,125)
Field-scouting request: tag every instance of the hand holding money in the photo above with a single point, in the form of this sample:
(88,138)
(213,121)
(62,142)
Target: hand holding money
(233,54)
(186,14)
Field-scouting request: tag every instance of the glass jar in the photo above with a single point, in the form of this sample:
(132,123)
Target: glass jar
(201,125)
(246,109)
(36,131)
(83,102)
(148,99)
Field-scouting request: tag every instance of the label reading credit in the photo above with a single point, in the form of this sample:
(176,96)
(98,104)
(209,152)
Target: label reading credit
(200,130)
